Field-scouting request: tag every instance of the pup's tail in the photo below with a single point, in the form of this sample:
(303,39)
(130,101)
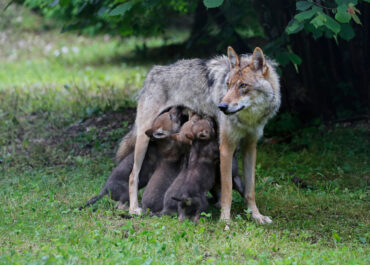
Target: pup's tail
(94,199)
(127,144)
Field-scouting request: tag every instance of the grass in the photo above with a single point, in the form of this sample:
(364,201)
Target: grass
(61,118)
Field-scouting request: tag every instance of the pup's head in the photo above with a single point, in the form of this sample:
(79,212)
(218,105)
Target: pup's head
(186,129)
(247,80)
(203,129)
(166,124)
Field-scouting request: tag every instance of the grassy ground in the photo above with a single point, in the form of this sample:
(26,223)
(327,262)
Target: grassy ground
(65,101)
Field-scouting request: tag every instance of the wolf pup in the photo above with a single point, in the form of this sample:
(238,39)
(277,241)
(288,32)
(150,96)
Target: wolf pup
(182,138)
(241,92)
(201,173)
(167,169)
(117,183)
(170,206)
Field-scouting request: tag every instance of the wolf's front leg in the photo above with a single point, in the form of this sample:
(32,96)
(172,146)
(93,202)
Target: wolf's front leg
(227,149)
(142,142)
(249,165)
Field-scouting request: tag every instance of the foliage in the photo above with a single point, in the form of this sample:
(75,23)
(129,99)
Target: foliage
(125,18)
(318,19)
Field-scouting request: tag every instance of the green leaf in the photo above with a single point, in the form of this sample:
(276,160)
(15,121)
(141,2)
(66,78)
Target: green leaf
(368,1)
(331,24)
(294,58)
(345,2)
(342,14)
(356,19)
(121,9)
(319,20)
(293,27)
(303,5)
(64,3)
(212,3)
(317,34)
(305,15)
(346,32)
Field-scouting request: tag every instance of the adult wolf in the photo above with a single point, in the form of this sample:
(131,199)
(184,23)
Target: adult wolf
(247,91)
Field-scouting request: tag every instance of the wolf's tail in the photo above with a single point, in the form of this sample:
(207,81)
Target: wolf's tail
(127,144)
(94,199)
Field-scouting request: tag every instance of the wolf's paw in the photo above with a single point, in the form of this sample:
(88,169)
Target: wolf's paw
(261,219)
(137,211)
(225,216)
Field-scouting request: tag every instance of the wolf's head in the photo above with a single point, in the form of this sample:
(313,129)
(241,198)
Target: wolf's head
(248,81)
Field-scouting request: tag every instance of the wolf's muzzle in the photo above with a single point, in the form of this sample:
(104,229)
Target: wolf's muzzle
(228,111)
(223,107)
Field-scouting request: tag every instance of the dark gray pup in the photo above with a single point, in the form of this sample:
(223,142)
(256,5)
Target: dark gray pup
(166,172)
(169,165)
(116,185)
(201,173)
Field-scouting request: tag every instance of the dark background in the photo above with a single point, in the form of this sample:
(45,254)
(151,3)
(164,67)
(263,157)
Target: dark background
(324,73)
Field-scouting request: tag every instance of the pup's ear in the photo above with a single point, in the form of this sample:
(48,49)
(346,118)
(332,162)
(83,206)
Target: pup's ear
(195,117)
(149,132)
(258,61)
(233,57)
(191,113)
(174,113)
(175,136)
(190,136)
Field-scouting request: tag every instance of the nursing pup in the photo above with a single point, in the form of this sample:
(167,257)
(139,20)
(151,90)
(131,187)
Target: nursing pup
(201,171)
(168,167)
(185,136)
(117,183)
(182,138)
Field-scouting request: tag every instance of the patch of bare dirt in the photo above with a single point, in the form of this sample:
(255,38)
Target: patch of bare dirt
(104,129)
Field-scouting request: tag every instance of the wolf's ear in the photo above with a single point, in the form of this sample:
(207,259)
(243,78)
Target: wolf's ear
(258,60)
(149,132)
(233,57)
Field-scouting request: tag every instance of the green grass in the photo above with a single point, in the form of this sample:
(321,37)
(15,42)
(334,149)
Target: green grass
(55,153)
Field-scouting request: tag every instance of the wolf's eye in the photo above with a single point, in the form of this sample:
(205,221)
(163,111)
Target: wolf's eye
(243,85)
(228,83)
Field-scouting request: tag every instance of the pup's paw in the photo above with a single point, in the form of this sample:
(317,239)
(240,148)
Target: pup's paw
(136,211)
(121,206)
(217,205)
(261,219)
